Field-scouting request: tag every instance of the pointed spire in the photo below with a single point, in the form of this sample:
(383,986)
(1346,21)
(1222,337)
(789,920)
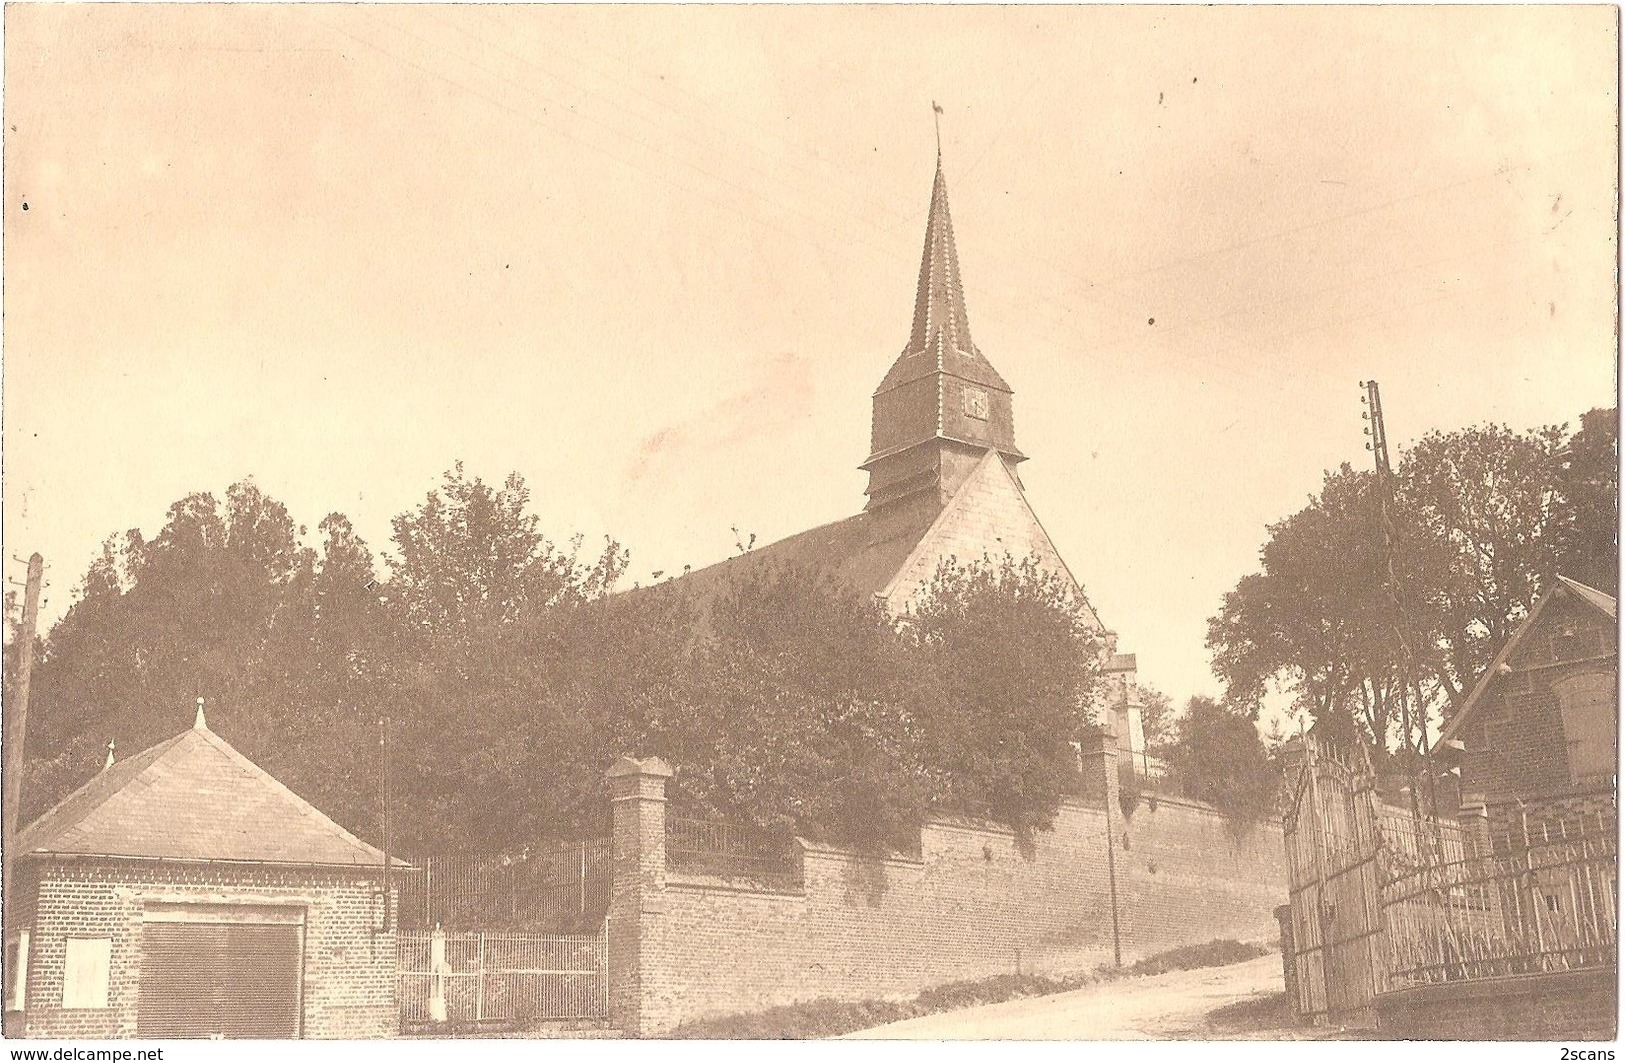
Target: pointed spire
(110,746)
(200,724)
(939,301)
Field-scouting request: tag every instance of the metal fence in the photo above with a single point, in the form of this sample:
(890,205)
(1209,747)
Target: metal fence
(725,850)
(461,980)
(1546,908)
(1383,899)
(557,888)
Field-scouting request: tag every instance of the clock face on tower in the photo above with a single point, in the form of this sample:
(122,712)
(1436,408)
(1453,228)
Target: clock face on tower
(976,403)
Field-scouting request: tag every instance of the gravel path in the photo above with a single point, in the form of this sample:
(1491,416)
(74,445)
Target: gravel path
(1164,1006)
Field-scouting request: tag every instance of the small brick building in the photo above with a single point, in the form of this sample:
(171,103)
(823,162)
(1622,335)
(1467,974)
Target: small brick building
(1539,730)
(186,893)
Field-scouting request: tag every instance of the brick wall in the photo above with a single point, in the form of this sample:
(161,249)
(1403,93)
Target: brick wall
(349,967)
(973,904)
(1516,744)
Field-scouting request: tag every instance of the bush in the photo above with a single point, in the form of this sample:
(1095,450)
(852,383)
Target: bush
(1193,957)
(1219,758)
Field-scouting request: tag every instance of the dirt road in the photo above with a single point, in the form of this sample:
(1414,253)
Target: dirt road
(1135,1009)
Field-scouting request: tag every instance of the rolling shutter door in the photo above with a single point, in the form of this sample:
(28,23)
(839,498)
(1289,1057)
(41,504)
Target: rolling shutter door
(219,980)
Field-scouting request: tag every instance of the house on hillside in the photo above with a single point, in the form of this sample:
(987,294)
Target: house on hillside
(943,476)
(1512,931)
(186,893)
(1537,736)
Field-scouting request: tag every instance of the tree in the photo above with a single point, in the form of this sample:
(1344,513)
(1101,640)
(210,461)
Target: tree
(472,557)
(1479,522)
(793,714)
(476,590)
(1588,488)
(1487,500)
(155,625)
(1317,619)
(1007,667)
(1219,758)
(1157,719)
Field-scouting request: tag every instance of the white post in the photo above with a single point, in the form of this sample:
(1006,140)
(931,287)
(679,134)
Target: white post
(437,975)
(479,994)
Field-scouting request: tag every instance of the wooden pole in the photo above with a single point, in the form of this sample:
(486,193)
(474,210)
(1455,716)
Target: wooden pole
(383,815)
(16,735)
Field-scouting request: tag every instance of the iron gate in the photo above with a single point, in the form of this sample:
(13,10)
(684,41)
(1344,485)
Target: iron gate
(1332,839)
(474,978)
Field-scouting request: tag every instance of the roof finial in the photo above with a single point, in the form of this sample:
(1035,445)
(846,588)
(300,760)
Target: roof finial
(936,119)
(110,746)
(200,724)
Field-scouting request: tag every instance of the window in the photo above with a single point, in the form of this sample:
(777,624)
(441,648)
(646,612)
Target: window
(17,971)
(85,973)
(1589,706)
(976,403)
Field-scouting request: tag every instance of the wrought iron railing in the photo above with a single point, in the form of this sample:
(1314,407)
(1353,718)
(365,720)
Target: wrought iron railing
(726,850)
(555,887)
(1547,908)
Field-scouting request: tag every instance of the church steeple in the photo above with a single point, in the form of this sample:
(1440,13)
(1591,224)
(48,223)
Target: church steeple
(942,405)
(939,300)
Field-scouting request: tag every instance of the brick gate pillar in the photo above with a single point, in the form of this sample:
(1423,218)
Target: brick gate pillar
(637,792)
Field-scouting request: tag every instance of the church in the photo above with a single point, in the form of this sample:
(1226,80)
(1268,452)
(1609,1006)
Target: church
(943,479)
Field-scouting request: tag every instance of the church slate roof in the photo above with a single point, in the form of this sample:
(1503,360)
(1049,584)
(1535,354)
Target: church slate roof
(191,798)
(940,340)
(861,554)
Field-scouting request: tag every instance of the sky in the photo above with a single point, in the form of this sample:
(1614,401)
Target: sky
(657,259)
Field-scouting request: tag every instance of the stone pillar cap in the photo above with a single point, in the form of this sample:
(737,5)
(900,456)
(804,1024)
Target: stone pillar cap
(655,766)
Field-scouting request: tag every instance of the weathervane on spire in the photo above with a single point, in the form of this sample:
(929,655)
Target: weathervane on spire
(936,119)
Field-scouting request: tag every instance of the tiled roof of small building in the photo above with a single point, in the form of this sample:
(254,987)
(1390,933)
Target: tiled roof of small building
(193,797)
(1589,595)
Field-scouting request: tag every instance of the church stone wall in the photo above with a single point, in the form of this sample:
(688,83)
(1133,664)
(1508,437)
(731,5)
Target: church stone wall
(988,516)
(971,905)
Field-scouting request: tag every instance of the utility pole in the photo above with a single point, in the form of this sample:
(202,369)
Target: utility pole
(1378,445)
(383,814)
(16,733)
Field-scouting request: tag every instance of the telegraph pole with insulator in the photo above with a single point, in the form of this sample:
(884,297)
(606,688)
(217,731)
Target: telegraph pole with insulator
(16,735)
(1377,444)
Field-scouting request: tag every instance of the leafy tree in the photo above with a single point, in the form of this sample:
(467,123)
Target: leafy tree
(1218,757)
(1157,719)
(472,556)
(793,714)
(1487,500)
(1479,521)
(1316,619)
(1588,486)
(157,624)
(1006,674)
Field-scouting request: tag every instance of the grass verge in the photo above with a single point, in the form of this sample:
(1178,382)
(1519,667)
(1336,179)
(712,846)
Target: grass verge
(830,1018)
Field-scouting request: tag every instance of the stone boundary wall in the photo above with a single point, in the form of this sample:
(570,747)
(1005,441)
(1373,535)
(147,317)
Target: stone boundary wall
(971,905)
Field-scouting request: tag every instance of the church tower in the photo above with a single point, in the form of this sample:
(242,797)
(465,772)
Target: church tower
(942,407)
